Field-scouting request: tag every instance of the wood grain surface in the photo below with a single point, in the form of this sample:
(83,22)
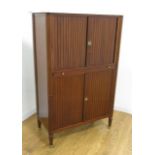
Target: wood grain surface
(97,90)
(102,33)
(71,42)
(67,103)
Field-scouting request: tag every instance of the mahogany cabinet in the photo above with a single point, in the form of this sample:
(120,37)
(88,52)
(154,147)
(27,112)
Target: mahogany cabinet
(76,59)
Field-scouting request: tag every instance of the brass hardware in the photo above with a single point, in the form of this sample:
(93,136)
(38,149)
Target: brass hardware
(63,73)
(86,98)
(89,43)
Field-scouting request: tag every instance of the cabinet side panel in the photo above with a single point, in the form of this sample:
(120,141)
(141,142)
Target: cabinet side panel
(116,60)
(39,24)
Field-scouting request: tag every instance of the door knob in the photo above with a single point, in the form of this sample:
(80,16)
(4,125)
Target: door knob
(86,98)
(62,73)
(89,43)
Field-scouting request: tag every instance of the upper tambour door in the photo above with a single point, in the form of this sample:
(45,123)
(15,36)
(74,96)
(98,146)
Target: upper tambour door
(101,40)
(70,41)
(98,94)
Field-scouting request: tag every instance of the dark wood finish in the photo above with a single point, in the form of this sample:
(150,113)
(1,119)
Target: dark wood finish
(52,31)
(35,65)
(75,83)
(39,123)
(50,138)
(109,121)
(81,123)
(67,105)
(71,42)
(116,60)
(77,14)
(101,33)
(97,90)
(83,70)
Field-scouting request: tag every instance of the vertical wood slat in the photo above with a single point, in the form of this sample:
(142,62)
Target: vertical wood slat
(51,32)
(101,32)
(67,105)
(52,48)
(97,90)
(71,42)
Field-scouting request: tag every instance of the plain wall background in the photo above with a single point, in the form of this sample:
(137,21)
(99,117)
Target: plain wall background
(124,82)
(28,76)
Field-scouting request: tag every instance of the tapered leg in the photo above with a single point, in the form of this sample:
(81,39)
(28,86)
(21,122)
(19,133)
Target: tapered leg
(50,136)
(39,123)
(110,121)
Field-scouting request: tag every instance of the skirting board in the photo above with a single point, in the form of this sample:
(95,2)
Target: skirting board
(28,114)
(123,110)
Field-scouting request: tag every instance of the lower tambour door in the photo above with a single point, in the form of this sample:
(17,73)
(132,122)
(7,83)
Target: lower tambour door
(97,94)
(67,102)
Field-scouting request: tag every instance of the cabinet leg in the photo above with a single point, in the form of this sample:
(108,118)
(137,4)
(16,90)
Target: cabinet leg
(39,123)
(50,137)
(110,121)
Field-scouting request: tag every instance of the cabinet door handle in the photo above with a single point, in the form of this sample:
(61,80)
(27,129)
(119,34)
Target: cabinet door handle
(86,99)
(89,43)
(62,73)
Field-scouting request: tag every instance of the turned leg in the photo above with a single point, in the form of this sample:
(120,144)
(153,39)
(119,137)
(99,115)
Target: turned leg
(110,121)
(39,123)
(50,137)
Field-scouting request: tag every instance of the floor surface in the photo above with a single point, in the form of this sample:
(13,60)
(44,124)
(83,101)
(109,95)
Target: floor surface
(92,139)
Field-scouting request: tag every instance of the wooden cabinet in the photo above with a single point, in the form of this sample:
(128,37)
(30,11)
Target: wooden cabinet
(76,59)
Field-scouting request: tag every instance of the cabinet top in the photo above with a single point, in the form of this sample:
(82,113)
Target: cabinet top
(75,14)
